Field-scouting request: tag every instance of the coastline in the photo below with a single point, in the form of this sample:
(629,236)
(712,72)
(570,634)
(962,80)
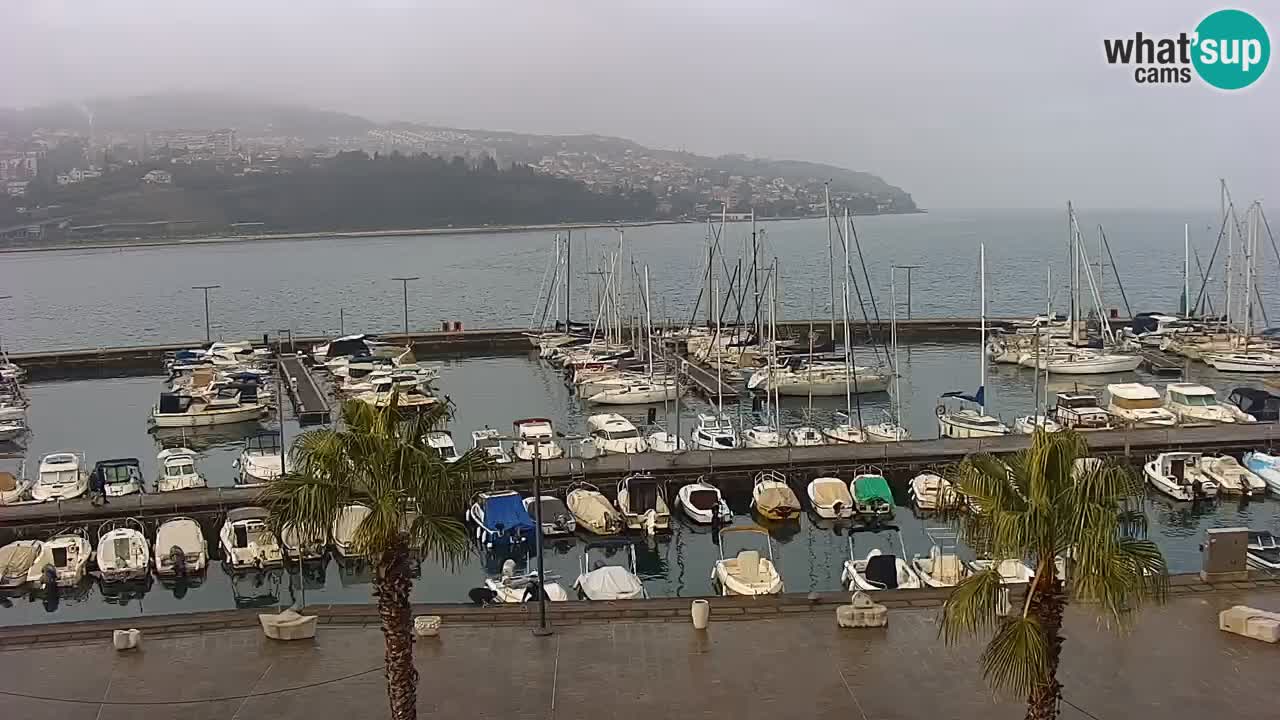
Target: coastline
(359,234)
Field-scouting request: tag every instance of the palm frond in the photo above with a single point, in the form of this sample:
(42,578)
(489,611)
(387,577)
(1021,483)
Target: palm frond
(973,606)
(1017,658)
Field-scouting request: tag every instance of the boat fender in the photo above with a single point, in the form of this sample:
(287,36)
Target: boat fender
(940,410)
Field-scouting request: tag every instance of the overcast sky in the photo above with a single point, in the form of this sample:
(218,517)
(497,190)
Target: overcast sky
(965,104)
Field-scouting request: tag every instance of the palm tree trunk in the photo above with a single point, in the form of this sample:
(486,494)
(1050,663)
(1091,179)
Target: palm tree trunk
(391,587)
(1047,607)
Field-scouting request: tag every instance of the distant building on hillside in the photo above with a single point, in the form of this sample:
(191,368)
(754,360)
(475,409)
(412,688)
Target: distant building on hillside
(158,177)
(223,142)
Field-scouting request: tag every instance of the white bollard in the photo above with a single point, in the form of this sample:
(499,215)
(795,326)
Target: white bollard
(126,639)
(426,625)
(700,611)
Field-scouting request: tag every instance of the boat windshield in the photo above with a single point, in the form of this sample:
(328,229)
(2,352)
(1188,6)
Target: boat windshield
(58,477)
(1136,404)
(1263,540)
(1078,401)
(179,470)
(1195,400)
(622,434)
(117,474)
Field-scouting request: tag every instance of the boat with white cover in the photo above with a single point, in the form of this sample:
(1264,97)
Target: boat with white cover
(178,470)
(14,484)
(703,503)
(180,548)
(830,498)
(1266,467)
(511,588)
(556,518)
(1179,475)
(1138,405)
(345,526)
(773,497)
(16,560)
(747,573)
(489,441)
(930,491)
(247,542)
(599,580)
(643,504)
(613,433)
(62,477)
(714,432)
(63,559)
(1192,403)
(298,547)
(879,570)
(535,436)
(1232,477)
(592,510)
(123,552)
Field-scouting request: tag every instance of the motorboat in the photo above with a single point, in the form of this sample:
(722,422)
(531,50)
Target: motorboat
(762,436)
(10,429)
(534,436)
(1180,476)
(593,511)
(262,460)
(930,491)
(805,436)
(119,477)
(1232,477)
(556,518)
(600,580)
(489,441)
(346,525)
(642,393)
(612,433)
(1138,405)
(299,547)
(178,470)
(714,432)
(500,519)
(408,398)
(773,497)
(123,552)
(1262,405)
(247,542)
(223,408)
(63,560)
(966,422)
(14,484)
(16,560)
(747,573)
(1244,362)
(1192,403)
(1262,550)
(180,548)
(830,498)
(62,477)
(872,497)
(703,503)
(442,442)
(643,503)
(1013,571)
(879,570)
(351,346)
(1266,467)
(940,569)
(666,442)
(510,588)
(1080,411)
(1029,424)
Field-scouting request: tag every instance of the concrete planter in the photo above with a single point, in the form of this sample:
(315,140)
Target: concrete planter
(700,611)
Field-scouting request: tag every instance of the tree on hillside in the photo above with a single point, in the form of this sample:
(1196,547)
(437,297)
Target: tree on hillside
(1048,502)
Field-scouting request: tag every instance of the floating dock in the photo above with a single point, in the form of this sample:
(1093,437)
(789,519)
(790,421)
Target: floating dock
(704,380)
(309,402)
(1158,362)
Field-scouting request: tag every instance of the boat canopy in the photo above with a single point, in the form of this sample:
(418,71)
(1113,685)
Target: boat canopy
(642,493)
(173,403)
(977,398)
(246,513)
(118,471)
(872,487)
(1259,403)
(506,512)
(704,498)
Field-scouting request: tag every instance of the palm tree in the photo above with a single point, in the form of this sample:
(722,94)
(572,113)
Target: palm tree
(383,462)
(1048,502)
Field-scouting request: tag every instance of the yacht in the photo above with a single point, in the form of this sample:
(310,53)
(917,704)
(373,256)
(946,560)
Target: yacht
(1028,424)
(178,470)
(500,519)
(966,422)
(489,441)
(665,442)
(1080,411)
(535,436)
(62,477)
(886,431)
(221,408)
(830,498)
(823,381)
(703,503)
(1087,362)
(247,542)
(352,346)
(1244,362)
(119,477)
(123,553)
(641,393)
(1192,403)
(1138,405)
(63,560)
(180,548)
(773,497)
(1179,475)
(442,442)
(844,431)
(714,432)
(600,580)
(556,518)
(592,510)
(747,573)
(262,460)
(643,503)
(613,433)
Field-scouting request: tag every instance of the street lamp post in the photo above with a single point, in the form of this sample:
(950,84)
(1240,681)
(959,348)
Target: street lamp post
(404,281)
(908,268)
(4,297)
(542,630)
(208,337)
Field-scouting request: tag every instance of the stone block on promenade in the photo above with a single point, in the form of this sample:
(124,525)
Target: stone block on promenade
(126,639)
(288,625)
(862,613)
(1251,623)
(426,625)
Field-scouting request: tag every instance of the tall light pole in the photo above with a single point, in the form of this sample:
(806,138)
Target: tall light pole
(542,630)
(908,268)
(10,297)
(206,288)
(404,281)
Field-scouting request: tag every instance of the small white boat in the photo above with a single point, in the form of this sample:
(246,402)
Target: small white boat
(843,432)
(1262,551)
(666,442)
(16,560)
(63,559)
(762,436)
(714,432)
(1193,403)
(878,571)
(123,552)
(175,410)
(500,519)
(940,569)
(601,581)
(1244,362)
(805,436)
(14,484)
(556,518)
(345,527)
(887,431)
(1232,477)
(489,440)
(702,503)
(1138,405)
(298,548)
(513,589)
(643,503)
(535,437)
(1080,411)
(1028,424)
(1012,570)
(613,433)
(180,548)
(1179,475)
(62,477)
(593,511)
(119,477)
(178,470)
(635,394)
(246,541)
(773,497)
(969,423)
(830,498)
(1088,363)
(930,491)
(442,442)
(747,573)
(261,461)
(1266,467)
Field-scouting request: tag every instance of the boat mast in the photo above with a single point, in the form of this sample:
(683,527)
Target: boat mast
(648,321)
(1186,270)
(831,260)
(568,255)
(1248,278)
(773,345)
(893,340)
(982,339)
(848,346)
(1230,252)
(1074,240)
(755,276)
(553,290)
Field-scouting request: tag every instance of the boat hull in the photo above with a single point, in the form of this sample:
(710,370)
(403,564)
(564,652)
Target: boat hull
(208,418)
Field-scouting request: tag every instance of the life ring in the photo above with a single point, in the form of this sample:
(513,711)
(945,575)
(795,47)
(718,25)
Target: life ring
(940,410)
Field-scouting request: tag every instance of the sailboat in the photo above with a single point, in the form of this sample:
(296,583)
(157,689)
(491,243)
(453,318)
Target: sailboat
(1039,420)
(890,430)
(967,422)
(715,432)
(846,431)
(769,434)
(807,435)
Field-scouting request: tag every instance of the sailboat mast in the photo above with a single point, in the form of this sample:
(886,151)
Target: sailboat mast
(893,339)
(568,284)
(982,339)
(755,275)
(1075,281)
(1186,270)
(831,260)
(715,344)
(648,321)
(1248,278)
(848,344)
(553,290)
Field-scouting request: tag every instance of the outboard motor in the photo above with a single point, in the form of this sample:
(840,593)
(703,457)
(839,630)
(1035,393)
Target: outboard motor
(508,568)
(178,559)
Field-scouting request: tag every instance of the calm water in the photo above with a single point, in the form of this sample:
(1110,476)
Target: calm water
(107,418)
(90,298)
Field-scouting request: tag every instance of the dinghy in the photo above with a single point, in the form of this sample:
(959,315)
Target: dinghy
(500,519)
(930,491)
(511,588)
(773,498)
(592,510)
(600,580)
(830,498)
(747,573)
(556,518)
(246,541)
(879,570)
(123,552)
(702,503)
(940,569)
(16,560)
(180,548)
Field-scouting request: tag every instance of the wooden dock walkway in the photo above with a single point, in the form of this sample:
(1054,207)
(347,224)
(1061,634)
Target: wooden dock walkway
(1161,363)
(704,380)
(309,402)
